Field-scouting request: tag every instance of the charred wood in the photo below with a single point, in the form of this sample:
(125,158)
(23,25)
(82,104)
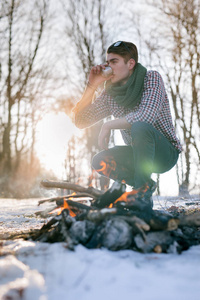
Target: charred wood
(138,225)
(155,242)
(66,223)
(99,215)
(116,223)
(78,205)
(108,228)
(112,194)
(163,222)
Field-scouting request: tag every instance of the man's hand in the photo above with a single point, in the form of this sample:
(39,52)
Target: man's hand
(104,137)
(95,77)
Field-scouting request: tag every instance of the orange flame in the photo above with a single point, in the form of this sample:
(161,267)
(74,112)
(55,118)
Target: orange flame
(61,208)
(71,198)
(103,164)
(107,168)
(125,196)
(66,206)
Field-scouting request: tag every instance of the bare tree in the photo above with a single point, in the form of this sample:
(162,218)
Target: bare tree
(22,26)
(177,51)
(87,32)
(28,83)
(185,79)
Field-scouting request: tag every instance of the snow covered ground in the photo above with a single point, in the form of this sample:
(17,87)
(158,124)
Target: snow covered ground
(41,271)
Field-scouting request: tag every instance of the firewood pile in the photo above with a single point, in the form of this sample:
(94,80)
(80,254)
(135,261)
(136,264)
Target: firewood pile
(116,220)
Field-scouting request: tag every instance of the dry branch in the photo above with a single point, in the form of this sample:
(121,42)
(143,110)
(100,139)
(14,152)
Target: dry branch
(61,198)
(71,186)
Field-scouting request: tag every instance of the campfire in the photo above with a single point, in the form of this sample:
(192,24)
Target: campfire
(116,219)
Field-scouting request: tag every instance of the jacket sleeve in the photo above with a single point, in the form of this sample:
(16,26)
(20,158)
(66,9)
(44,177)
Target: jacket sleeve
(94,112)
(152,101)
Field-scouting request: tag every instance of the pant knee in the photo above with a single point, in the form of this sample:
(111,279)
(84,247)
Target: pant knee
(141,131)
(97,159)
(140,127)
(95,162)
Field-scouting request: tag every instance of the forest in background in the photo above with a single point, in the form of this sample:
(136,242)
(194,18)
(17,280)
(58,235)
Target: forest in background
(47,49)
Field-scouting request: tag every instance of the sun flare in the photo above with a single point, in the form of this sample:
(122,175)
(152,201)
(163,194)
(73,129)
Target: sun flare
(53,134)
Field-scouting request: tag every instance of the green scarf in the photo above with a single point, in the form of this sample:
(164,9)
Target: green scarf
(129,94)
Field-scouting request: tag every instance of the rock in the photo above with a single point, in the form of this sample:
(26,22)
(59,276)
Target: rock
(117,234)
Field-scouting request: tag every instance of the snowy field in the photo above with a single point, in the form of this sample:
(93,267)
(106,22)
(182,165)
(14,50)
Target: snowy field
(41,271)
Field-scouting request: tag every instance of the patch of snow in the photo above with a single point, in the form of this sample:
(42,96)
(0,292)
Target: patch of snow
(20,282)
(41,271)
(101,274)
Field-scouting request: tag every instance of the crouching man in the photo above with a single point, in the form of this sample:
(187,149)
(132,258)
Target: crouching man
(137,100)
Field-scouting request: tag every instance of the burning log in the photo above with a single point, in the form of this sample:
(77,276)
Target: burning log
(120,220)
(116,190)
(108,228)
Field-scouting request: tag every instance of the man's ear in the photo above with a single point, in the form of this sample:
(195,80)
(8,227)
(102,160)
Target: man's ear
(131,63)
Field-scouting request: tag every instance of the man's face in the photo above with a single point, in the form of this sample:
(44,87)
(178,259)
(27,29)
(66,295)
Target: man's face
(121,70)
